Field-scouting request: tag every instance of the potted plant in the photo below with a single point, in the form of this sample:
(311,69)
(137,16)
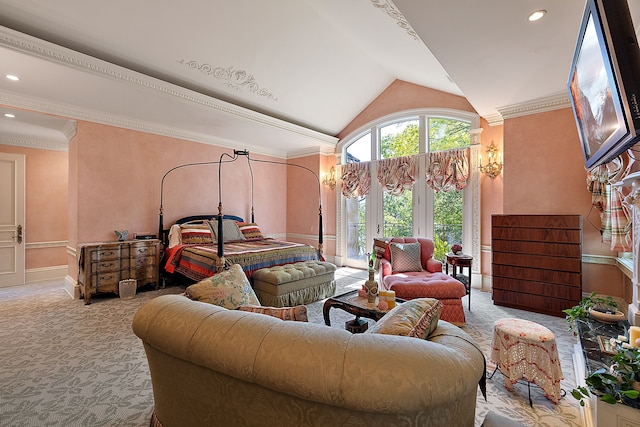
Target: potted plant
(584,309)
(618,384)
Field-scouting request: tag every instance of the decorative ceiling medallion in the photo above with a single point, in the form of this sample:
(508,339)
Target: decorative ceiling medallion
(390,9)
(232,78)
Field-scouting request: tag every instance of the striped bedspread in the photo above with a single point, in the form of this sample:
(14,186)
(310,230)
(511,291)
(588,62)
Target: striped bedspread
(198,262)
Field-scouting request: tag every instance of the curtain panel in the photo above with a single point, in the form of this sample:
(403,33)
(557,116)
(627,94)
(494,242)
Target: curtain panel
(448,170)
(356,179)
(397,174)
(615,217)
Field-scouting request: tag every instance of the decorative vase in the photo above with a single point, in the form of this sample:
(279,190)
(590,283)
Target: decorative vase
(372,287)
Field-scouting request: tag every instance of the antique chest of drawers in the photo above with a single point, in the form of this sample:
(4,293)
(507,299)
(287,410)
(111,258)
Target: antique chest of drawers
(101,266)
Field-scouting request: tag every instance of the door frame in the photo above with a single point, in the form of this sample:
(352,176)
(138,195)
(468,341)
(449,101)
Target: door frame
(15,197)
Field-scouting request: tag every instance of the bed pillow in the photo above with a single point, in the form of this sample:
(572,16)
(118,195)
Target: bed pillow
(405,257)
(175,235)
(415,318)
(229,289)
(250,231)
(297,313)
(230,230)
(195,233)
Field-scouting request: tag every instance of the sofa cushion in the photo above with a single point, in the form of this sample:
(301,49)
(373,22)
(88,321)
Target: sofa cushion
(229,289)
(415,318)
(297,313)
(405,257)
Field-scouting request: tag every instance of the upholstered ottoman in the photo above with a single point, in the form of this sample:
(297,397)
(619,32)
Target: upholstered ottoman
(441,286)
(294,284)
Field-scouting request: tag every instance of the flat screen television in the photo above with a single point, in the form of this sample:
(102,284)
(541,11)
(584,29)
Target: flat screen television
(604,82)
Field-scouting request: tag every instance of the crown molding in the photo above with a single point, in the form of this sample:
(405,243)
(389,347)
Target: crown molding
(50,52)
(494,119)
(540,105)
(34,143)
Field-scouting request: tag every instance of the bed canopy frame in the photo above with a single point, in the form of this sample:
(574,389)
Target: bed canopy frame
(227,158)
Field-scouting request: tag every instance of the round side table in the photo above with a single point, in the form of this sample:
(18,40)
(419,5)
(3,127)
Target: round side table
(460,261)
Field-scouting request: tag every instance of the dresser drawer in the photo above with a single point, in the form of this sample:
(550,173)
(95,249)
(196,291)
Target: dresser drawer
(100,282)
(108,266)
(108,253)
(141,249)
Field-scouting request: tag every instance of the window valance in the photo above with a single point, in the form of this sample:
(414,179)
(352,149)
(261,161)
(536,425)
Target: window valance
(397,174)
(448,170)
(356,179)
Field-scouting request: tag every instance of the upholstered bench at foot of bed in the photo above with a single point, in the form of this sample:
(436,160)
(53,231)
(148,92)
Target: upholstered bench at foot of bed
(294,284)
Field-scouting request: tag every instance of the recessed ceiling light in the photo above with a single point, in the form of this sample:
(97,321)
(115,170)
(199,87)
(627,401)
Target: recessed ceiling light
(538,14)
(9,115)
(12,77)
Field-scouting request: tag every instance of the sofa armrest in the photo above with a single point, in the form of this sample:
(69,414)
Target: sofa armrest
(434,266)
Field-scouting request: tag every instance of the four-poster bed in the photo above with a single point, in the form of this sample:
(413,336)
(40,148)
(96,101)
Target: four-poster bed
(203,256)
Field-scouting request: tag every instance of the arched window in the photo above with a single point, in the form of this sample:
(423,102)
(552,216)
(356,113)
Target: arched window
(398,153)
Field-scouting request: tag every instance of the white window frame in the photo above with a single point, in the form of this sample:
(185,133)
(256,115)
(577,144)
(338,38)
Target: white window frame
(422,194)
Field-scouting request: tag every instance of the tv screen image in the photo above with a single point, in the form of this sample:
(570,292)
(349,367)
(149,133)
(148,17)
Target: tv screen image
(604,80)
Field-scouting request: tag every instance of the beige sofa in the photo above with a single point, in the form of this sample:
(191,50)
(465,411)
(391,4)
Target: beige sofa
(217,367)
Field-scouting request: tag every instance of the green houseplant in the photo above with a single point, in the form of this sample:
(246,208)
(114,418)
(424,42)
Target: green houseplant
(618,384)
(581,311)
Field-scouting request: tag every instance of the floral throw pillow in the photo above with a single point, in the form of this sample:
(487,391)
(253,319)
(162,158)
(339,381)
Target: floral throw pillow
(405,257)
(229,289)
(415,318)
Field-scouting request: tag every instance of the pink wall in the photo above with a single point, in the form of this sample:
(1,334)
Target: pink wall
(303,202)
(119,171)
(544,174)
(491,193)
(46,204)
(401,96)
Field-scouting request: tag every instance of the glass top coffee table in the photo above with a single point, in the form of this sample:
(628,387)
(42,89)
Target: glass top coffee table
(351,303)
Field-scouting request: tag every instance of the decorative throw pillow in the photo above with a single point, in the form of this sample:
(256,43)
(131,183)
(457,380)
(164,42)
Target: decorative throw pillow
(297,313)
(405,257)
(380,245)
(195,233)
(250,231)
(415,318)
(229,289)
(230,230)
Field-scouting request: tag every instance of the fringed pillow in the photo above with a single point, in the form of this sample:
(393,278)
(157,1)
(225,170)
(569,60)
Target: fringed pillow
(297,313)
(229,289)
(415,318)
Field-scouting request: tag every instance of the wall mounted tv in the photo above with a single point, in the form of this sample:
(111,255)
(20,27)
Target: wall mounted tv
(604,82)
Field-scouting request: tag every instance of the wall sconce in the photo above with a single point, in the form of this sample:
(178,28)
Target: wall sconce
(494,167)
(330,178)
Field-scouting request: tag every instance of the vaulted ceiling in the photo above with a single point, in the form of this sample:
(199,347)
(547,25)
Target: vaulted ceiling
(281,77)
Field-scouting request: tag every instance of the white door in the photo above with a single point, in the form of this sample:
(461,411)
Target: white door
(12,196)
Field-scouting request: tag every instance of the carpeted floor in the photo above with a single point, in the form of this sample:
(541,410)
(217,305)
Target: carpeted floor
(66,364)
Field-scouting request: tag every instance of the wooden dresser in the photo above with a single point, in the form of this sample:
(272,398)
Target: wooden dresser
(537,262)
(102,265)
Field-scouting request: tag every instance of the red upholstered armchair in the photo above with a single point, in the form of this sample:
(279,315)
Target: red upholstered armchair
(408,268)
